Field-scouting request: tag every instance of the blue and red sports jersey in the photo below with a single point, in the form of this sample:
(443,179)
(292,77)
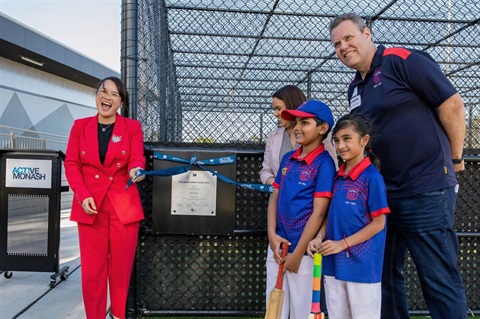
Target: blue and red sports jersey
(358,197)
(400,94)
(298,181)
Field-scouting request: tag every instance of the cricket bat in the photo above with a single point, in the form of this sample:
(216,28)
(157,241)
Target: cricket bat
(275,302)
(316,312)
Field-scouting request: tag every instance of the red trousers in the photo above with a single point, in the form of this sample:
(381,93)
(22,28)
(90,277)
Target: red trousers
(107,253)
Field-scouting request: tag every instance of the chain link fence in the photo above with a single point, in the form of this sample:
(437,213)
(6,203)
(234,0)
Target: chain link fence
(205,71)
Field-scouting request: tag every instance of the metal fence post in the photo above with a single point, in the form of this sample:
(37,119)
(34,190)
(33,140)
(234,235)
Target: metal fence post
(12,139)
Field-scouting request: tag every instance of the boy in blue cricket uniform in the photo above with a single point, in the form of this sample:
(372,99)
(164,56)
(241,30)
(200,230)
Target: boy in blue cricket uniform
(352,240)
(298,204)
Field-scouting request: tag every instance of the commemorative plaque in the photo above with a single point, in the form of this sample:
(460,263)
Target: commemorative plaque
(196,202)
(192,194)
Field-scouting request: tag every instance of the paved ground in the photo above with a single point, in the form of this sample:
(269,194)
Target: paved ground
(27,295)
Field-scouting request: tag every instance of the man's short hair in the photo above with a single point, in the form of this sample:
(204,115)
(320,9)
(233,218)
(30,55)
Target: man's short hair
(355,18)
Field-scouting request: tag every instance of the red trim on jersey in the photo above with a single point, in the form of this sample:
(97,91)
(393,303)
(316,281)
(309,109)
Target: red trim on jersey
(356,170)
(379,212)
(310,157)
(401,52)
(322,194)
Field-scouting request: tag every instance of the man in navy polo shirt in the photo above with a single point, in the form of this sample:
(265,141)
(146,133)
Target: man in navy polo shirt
(419,123)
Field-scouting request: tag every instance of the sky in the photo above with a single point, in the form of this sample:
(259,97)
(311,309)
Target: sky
(91,27)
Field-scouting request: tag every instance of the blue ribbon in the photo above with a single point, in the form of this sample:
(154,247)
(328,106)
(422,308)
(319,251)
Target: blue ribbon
(165,172)
(201,164)
(232,159)
(259,187)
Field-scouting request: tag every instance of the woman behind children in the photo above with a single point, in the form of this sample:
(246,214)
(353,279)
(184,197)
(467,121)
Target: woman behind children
(282,140)
(352,240)
(103,152)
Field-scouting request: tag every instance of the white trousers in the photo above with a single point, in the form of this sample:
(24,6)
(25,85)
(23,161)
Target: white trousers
(354,300)
(298,287)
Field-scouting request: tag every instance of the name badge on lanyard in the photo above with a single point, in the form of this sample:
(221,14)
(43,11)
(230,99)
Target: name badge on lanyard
(356,100)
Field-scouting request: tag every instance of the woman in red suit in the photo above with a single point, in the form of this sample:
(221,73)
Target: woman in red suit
(103,153)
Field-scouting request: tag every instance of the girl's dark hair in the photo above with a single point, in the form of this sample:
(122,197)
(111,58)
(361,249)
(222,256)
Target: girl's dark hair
(363,126)
(122,90)
(291,95)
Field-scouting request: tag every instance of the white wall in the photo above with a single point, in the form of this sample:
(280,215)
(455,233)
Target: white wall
(20,77)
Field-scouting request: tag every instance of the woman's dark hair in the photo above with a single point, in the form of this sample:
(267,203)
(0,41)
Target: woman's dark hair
(363,126)
(291,95)
(122,90)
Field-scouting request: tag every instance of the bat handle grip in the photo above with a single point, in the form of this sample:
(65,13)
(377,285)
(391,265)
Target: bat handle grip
(279,283)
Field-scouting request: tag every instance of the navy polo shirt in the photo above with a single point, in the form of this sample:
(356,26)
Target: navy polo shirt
(358,197)
(400,94)
(299,181)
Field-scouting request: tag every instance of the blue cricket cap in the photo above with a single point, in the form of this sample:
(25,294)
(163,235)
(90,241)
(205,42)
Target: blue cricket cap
(309,109)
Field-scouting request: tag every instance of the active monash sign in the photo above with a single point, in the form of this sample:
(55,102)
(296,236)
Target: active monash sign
(28,173)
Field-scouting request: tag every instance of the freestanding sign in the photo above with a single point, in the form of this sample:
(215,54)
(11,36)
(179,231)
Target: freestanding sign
(28,173)
(30,191)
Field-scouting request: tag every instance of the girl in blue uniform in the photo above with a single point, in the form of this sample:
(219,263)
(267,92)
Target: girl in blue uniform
(352,240)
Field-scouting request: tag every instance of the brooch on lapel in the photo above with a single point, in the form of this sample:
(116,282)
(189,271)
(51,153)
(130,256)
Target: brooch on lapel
(116,138)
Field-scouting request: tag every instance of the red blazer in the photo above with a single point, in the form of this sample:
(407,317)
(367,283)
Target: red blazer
(87,177)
